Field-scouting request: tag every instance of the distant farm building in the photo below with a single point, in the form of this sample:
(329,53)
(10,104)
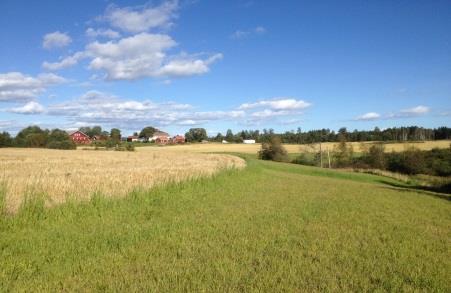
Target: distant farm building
(133,138)
(160,137)
(249,141)
(79,137)
(178,139)
(99,138)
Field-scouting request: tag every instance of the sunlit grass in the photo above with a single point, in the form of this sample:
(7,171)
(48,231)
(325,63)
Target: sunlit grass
(270,227)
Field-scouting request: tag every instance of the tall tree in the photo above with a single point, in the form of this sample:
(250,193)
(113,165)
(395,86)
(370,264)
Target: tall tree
(147,132)
(196,135)
(115,134)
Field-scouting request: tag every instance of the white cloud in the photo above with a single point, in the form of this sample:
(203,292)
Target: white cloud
(65,62)
(277,104)
(6,124)
(97,107)
(56,40)
(241,34)
(107,33)
(267,113)
(188,66)
(418,110)
(138,19)
(138,56)
(16,86)
(141,54)
(130,58)
(369,116)
(405,113)
(29,108)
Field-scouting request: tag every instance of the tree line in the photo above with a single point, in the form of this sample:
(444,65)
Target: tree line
(34,136)
(411,133)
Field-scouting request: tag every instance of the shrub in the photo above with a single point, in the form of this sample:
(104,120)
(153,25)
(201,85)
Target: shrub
(343,154)
(59,139)
(303,159)
(411,161)
(273,151)
(129,147)
(374,157)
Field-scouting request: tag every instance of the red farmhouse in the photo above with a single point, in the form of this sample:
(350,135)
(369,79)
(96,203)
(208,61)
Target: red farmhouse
(79,137)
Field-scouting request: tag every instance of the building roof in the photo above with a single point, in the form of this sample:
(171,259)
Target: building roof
(75,131)
(160,133)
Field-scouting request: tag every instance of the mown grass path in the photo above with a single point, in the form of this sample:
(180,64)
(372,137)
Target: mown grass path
(271,227)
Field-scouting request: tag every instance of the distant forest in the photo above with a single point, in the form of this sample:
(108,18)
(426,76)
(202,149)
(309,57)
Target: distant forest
(412,133)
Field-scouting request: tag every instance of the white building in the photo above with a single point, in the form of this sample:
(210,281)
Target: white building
(249,141)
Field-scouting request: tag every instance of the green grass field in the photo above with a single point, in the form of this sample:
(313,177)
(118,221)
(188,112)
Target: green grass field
(271,227)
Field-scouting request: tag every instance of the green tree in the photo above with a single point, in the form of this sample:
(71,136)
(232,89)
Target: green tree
(273,150)
(196,135)
(5,139)
(31,136)
(343,153)
(59,139)
(115,134)
(147,132)
(96,130)
(229,135)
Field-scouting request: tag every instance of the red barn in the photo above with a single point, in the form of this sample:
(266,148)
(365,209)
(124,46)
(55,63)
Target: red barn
(79,137)
(178,139)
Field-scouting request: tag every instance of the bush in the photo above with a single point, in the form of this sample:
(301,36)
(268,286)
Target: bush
(374,157)
(303,159)
(59,139)
(411,161)
(273,151)
(62,145)
(343,155)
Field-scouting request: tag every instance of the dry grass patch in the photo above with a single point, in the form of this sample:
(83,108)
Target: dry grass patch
(60,175)
(292,148)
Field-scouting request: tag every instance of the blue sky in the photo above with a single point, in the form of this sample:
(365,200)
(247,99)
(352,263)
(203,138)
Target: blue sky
(224,64)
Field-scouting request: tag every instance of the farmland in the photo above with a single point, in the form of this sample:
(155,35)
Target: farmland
(59,176)
(267,227)
(295,148)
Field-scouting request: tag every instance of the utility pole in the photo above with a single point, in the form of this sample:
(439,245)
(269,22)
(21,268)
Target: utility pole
(320,154)
(328,156)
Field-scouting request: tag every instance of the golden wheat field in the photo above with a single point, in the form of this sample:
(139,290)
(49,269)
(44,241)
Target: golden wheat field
(292,148)
(59,175)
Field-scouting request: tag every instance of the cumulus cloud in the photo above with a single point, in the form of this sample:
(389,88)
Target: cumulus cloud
(140,53)
(369,116)
(65,62)
(99,107)
(277,104)
(418,110)
(138,56)
(56,40)
(16,86)
(138,19)
(106,33)
(4,124)
(241,34)
(187,66)
(404,113)
(29,108)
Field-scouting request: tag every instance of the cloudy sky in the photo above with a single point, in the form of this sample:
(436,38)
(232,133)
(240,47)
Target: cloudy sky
(224,64)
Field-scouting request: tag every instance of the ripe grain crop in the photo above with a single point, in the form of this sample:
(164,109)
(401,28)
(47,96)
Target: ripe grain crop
(61,175)
(295,148)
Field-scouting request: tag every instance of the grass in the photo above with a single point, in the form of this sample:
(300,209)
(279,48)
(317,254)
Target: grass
(78,174)
(270,227)
(291,148)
